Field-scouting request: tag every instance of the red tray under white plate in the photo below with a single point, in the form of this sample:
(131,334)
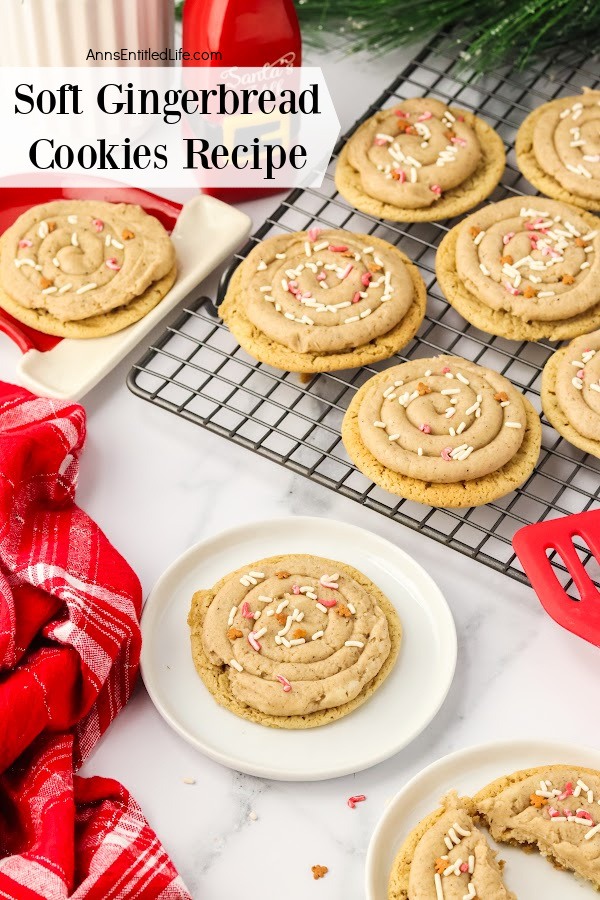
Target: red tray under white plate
(205,232)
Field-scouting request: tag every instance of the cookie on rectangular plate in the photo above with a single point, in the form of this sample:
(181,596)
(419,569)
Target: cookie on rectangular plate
(293,641)
(524,268)
(84,268)
(319,301)
(553,808)
(420,161)
(443,431)
(446,857)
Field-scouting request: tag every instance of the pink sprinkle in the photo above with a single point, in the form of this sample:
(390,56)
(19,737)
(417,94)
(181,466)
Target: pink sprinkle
(460,141)
(380,142)
(583,814)
(327,603)
(25,243)
(113,263)
(464,867)
(425,116)
(508,237)
(581,374)
(295,589)
(322,276)
(511,290)
(567,791)
(401,175)
(445,370)
(436,189)
(346,271)
(98,224)
(359,798)
(313,233)
(286,685)
(552,811)
(338,248)
(253,642)
(401,114)
(356,298)
(245,611)
(366,278)
(306,295)
(460,118)
(425,428)
(292,285)
(447,454)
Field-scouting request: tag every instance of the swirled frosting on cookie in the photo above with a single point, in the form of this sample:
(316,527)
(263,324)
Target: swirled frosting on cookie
(566,143)
(411,154)
(578,385)
(537,259)
(325,291)
(77,259)
(295,635)
(453,861)
(442,420)
(554,808)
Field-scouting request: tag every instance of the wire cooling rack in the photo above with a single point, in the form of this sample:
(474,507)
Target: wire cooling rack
(197,370)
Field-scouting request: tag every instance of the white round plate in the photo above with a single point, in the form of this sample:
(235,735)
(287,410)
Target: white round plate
(527,874)
(386,723)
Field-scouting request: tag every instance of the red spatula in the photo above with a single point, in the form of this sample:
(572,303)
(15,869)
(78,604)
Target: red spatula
(531,545)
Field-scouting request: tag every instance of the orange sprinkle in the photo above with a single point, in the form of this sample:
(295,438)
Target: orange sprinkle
(343,610)
(423,388)
(501,396)
(127,235)
(281,618)
(51,227)
(234,633)
(474,231)
(507,259)
(580,242)
(299,633)
(46,283)
(537,801)
(449,135)
(282,574)
(529,292)
(567,279)
(441,865)
(319,872)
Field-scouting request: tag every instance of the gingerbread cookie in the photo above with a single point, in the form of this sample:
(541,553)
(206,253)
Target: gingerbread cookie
(571,392)
(78,268)
(420,161)
(318,301)
(558,149)
(525,268)
(443,431)
(293,641)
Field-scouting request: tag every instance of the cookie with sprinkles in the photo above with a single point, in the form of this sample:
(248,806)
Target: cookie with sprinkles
(558,149)
(571,392)
(420,161)
(271,645)
(442,431)
(554,808)
(447,857)
(524,268)
(81,268)
(321,300)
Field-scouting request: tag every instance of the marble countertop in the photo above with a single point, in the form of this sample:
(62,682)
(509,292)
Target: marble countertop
(157,484)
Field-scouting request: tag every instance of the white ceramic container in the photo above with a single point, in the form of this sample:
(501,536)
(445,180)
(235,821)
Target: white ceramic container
(61,32)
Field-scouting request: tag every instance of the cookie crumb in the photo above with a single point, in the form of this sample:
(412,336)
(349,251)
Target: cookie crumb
(319,872)
(189,780)
(252,816)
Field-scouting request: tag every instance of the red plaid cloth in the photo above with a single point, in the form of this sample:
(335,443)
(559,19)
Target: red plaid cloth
(69,653)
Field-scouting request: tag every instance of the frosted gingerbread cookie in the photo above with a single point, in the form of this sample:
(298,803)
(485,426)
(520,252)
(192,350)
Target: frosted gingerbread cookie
(525,268)
(554,808)
(293,641)
(571,392)
(442,431)
(317,301)
(420,161)
(558,149)
(447,857)
(81,268)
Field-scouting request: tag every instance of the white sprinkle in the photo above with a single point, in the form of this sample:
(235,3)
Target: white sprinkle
(321,246)
(232,615)
(471,864)
(453,836)
(584,265)
(86,287)
(280,256)
(448,374)
(546,294)
(461,427)
(581,783)
(282,606)
(393,437)
(297,641)
(285,642)
(252,816)
(379,424)
(65,288)
(258,634)
(56,262)
(413,175)
(484,269)
(351,319)
(478,238)
(451,391)
(590,834)
(439,891)
(260,267)
(352,608)
(577,383)
(512,425)
(72,220)
(257,614)
(419,451)
(50,290)
(24,262)
(448,843)
(462,831)
(321,607)
(450,412)
(75,239)
(462,378)
(353,644)
(235,665)
(317,635)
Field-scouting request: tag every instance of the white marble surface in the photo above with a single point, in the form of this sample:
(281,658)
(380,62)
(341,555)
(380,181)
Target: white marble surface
(156,484)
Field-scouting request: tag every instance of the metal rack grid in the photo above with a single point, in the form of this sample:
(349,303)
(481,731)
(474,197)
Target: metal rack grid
(197,370)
